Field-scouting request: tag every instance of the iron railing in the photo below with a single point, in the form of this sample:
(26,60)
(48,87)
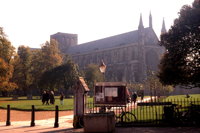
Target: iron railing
(153,112)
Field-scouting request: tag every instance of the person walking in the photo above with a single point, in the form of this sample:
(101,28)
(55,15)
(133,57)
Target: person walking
(61,98)
(47,98)
(51,96)
(134,97)
(44,97)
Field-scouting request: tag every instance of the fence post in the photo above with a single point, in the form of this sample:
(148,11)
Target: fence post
(33,116)
(56,124)
(8,116)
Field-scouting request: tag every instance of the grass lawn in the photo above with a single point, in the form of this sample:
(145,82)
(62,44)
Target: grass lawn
(145,113)
(23,104)
(183,97)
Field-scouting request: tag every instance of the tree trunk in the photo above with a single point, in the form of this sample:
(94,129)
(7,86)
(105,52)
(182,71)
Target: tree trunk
(4,93)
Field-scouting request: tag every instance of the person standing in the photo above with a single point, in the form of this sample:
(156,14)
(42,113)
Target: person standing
(61,98)
(142,95)
(51,96)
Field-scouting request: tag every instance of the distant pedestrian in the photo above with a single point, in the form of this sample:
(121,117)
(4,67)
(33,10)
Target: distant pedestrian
(142,96)
(187,95)
(47,98)
(44,97)
(61,98)
(134,97)
(51,97)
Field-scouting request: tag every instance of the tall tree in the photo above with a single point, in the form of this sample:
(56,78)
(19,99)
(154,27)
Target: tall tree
(180,64)
(51,56)
(6,68)
(63,76)
(22,69)
(44,60)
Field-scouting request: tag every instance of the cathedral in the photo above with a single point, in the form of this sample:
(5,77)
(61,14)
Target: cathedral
(128,56)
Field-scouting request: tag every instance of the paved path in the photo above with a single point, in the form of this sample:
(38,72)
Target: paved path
(64,121)
(47,125)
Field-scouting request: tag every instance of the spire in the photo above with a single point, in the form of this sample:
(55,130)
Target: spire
(150,20)
(140,23)
(163,30)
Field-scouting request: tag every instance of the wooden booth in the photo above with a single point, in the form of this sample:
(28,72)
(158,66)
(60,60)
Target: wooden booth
(110,94)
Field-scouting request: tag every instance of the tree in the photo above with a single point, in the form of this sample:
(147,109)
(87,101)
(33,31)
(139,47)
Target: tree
(51,56)
(6,68)
(6,49)
(22,69)
(180,64)
(44,60)
(5,76)
(63,76)
(92,75)
(155,87)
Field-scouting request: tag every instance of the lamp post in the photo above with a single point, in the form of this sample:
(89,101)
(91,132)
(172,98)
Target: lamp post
(102,69)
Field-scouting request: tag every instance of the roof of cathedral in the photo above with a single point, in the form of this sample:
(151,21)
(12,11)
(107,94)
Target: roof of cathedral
(109,42)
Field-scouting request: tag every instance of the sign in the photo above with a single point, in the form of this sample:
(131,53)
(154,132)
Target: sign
(110,93)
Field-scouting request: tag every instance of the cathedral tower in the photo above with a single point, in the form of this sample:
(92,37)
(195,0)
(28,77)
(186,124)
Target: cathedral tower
(141,52)
(163,30)
(150,21)
(141,26)
(65,40)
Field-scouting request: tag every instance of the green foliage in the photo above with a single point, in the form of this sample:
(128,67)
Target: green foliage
(180,64)
(44,60)
(92,75)
(22,68)
(152,84)
(63,76)
(51,56)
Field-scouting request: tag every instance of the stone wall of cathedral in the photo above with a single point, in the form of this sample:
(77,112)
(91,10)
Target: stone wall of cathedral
(128,63)
(122,62)
(125,62)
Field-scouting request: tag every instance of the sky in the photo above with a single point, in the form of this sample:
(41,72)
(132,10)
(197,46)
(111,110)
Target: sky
(31,22)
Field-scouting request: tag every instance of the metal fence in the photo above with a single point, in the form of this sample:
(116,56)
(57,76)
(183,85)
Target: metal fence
(153,112)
